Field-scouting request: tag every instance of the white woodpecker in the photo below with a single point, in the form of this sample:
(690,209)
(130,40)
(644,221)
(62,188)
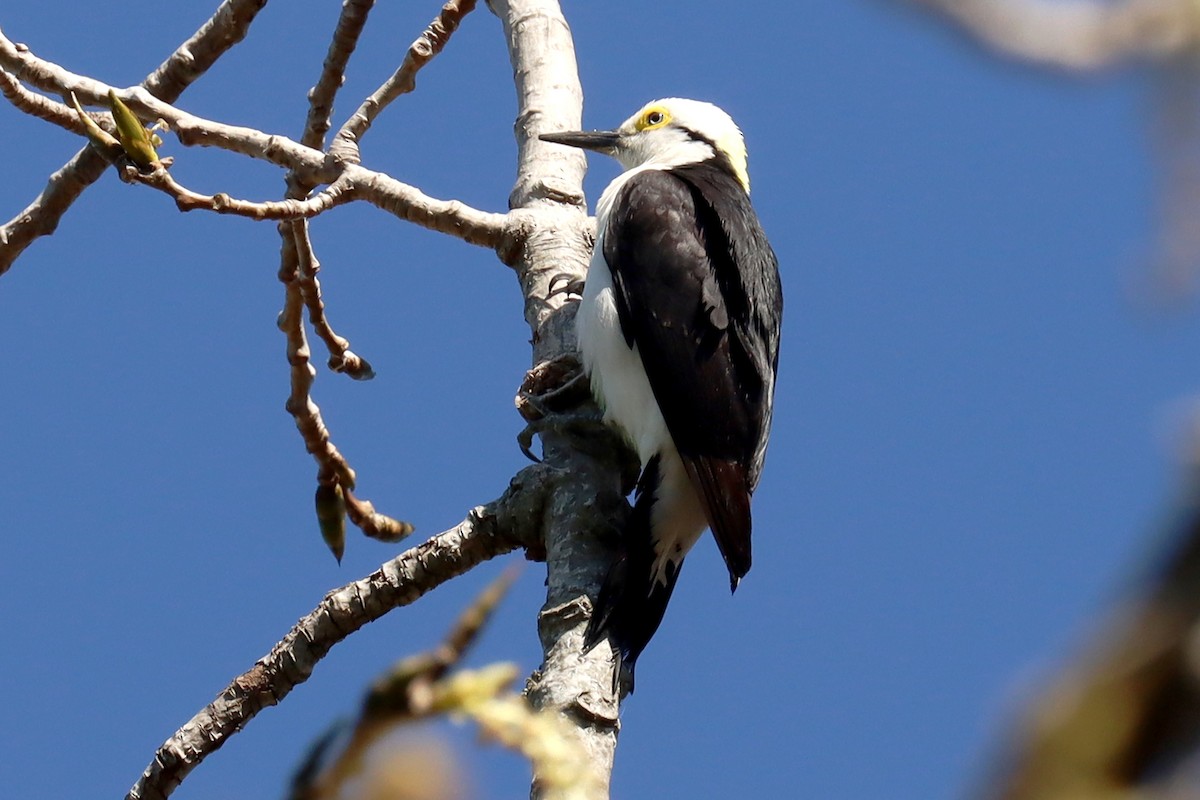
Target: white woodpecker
(678,328)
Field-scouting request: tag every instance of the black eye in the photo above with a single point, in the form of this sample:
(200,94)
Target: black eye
(654,118)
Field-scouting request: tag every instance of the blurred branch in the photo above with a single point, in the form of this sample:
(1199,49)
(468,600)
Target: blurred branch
(1075,34)
(1087,35)
(226,27)
(1123,719)
(1176,131)
(424,685)
(405,693)
(506,524)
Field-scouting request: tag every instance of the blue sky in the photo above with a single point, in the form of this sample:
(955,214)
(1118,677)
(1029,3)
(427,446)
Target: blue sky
(977,413)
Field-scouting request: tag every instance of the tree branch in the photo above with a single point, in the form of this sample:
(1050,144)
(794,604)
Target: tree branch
(338,193)
(1076,35)
(345,145)
(341,357)
(550,233)
(386,193)
(226,27)
(334,473)
(39,106)
(1122,719)
(333,71)
(501,526)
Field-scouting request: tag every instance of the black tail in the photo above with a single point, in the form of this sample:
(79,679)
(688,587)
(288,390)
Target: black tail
(631,602)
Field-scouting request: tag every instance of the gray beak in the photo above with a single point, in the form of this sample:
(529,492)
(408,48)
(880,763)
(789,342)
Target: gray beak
(600,141)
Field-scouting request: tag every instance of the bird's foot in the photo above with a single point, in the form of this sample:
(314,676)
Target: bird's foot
(580,426)
(551,387)
(550,398)
(565,283)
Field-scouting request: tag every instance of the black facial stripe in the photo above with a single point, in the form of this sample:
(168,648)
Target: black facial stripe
(719,155)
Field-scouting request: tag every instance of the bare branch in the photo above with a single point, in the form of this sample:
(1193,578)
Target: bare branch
(338,193)
(1078,34)
(380,190)
(193,58)
(40,217)
(397,198)
(506,524)
(1175,272)
(445,216)
(341,357)
(341,47)
(332,465)
(42,107)
(299,268)
(226,27)
(431,42)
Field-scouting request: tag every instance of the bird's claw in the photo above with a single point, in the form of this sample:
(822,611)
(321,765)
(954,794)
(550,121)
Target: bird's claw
(578,425)
(552,386)
(571,285)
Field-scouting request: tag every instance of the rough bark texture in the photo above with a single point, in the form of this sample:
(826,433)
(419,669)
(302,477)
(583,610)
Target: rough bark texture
(550,234)
(498,527)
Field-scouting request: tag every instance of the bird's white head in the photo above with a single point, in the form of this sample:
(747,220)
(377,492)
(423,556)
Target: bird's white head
(669,133)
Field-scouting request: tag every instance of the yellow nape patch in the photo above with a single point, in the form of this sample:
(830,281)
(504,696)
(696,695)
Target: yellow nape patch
(735,150)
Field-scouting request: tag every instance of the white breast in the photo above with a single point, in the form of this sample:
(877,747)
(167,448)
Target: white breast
(622,389)
(618,377)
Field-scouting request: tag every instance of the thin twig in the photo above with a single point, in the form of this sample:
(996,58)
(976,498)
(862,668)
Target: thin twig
(382,191)
(509,523)
(299,265)
(342,45)
(332,466)
(226,27)
(338,193)
(305,266)
(341,357)
(345,145)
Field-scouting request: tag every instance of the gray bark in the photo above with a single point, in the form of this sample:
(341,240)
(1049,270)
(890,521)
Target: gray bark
(551,234)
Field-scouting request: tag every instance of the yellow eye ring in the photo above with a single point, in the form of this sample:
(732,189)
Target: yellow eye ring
(654,118)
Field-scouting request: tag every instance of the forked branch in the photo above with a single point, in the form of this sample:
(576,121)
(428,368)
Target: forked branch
(389,194)
(226,27)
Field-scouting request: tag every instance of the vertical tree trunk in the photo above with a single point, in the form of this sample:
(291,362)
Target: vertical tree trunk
(552,234)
